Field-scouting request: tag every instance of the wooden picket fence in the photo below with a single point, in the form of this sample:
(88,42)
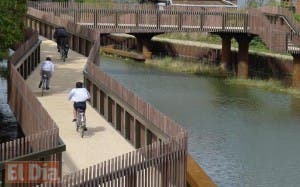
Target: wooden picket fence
(41,132)
(159,164)
(147,17)
(137,18)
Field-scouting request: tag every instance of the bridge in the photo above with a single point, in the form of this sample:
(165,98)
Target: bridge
(55,101)
(159,156)
(275,26)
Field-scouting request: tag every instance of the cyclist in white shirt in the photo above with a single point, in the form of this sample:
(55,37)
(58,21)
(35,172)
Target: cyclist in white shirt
(47,68)
(79,96)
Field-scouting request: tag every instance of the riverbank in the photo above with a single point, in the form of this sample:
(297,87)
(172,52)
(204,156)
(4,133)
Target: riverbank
(270,85)
(203,59)
(202,69)
(178,65)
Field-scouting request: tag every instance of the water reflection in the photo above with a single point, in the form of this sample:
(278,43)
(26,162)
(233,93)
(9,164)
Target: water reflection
(241,136)
(295,106)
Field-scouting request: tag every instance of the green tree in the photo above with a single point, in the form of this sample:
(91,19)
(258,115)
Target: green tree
(12,13)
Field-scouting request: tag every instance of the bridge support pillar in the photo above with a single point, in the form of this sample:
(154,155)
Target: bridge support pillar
(243,55)
(296,71)
(144,44)
(226,51)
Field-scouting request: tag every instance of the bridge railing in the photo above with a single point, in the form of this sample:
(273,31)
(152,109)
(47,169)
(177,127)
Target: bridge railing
(40,132)
(132,18)
(24,47)
(273,35)
(161,163)
(292,26)
(283,12)
(145,18)
(154,116)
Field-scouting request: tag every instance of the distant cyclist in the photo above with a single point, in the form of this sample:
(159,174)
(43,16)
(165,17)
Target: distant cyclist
(79,96)
(47,68)
(61,37)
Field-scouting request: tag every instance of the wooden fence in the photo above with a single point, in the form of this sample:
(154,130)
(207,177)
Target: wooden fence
(292,27)
(39,129)
(140,18)
(159,164)
(272,35)
(41,140)
(131,18)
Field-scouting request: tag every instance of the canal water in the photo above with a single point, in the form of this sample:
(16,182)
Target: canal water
(9,128)
(241,136)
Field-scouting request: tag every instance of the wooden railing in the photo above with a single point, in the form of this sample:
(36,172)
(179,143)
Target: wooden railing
(136,18)
(292,26)
(154,116)
(161,163)
(131,18)
(41,132)
(286,13)
(24,47)
(273,36)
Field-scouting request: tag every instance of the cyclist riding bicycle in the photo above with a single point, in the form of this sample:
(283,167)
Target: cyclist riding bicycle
(79,96)
(47,69)
(61,37)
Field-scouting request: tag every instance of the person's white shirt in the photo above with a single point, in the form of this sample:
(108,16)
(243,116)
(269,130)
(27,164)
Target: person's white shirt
(79,95)
(47,66)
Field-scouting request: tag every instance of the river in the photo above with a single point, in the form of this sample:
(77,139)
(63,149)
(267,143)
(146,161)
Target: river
(241,136)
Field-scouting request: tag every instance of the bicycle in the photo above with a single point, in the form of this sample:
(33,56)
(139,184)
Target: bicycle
(63,54)
(44,83)
(81,122)
(63,50)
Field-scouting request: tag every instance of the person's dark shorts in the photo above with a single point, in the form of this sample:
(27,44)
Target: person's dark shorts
(79,105)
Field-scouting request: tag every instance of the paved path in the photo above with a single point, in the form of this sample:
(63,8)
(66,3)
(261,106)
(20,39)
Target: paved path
(101,141)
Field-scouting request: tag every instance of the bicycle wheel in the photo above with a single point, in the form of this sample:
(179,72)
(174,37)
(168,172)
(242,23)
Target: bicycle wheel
(82,131)
(77,125)
(43,86)
(64,57)
(62,54)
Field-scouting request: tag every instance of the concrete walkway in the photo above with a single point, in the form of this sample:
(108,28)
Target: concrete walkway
(101,141)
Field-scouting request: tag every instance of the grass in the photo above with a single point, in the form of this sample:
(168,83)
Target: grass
(198,68)
(177,65)
(297,17)
(256,43)
(270,85)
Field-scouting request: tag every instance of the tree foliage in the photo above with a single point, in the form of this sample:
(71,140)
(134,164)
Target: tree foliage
(11,23)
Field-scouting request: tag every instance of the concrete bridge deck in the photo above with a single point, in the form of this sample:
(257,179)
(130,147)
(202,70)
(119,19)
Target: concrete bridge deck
(101,141)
